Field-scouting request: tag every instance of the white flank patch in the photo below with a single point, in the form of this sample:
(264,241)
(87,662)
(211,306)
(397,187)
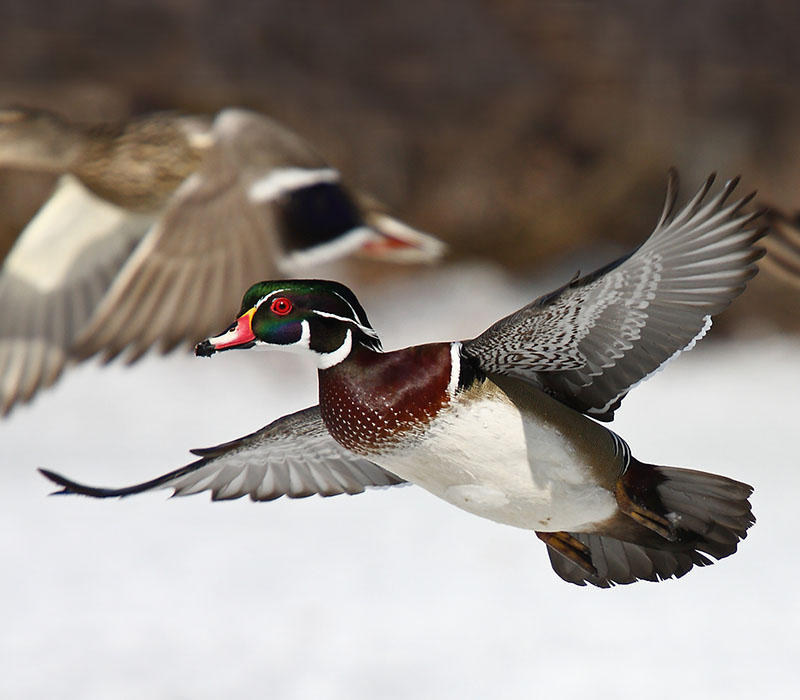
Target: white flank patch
(280,181)
(72,221)
(344,244)
(482,456)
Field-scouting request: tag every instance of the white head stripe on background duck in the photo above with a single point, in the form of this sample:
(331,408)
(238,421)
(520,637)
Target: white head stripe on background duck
(498,425)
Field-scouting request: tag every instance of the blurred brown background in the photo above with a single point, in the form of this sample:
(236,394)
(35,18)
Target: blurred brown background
(518,131)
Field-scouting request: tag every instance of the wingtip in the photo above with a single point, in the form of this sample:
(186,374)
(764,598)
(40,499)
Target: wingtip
(733,182)
(61,481)
(673,185)
(749,198)
(73,488)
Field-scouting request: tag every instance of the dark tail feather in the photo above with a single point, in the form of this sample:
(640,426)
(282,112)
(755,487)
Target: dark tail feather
(619,562)
(710,513)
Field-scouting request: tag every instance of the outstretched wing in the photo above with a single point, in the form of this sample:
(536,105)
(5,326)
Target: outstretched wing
(590,341)
(294,456)
(52,280)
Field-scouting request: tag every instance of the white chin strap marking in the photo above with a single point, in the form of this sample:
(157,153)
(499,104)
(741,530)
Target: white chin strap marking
(324,360)
(300,345)
(329,359)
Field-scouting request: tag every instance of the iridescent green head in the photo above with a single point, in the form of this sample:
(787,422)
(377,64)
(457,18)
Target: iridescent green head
(318,316)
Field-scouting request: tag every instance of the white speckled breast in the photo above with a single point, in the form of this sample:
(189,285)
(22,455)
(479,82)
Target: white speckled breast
(481,454)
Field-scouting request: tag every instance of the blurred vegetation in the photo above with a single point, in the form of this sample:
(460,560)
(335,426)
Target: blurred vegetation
(520,131)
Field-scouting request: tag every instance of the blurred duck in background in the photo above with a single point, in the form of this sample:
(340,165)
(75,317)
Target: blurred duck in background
(156,226)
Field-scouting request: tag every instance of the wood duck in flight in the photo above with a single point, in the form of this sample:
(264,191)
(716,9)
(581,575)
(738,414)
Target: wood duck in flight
(502,425)
(157,225)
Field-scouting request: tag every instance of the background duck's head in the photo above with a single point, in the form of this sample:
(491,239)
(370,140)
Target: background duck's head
(318,316)
(36,139)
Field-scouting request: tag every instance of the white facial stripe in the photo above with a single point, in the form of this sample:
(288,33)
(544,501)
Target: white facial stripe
(355,313)
(455,368)
(329,359)
(370,332)
(280,181)
(267,296)
(365,329)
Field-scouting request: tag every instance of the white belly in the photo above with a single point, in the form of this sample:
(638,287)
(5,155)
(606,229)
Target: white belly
(482,456)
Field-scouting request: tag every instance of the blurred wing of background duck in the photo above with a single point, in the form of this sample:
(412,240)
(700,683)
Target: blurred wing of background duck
(155,227)
(783,246)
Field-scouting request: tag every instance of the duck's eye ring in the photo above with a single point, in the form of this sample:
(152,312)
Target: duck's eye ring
(281,306)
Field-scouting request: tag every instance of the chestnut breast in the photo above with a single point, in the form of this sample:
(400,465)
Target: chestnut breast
(371,401)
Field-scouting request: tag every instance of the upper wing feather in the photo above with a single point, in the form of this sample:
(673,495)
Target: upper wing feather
(293,456)
(590,341)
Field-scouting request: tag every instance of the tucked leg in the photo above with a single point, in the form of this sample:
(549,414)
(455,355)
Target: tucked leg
(649,519)
(569,547)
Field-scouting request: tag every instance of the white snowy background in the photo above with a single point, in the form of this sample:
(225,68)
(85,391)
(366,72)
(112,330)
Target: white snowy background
(390,594)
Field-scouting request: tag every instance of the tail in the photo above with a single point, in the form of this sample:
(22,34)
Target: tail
(710,514)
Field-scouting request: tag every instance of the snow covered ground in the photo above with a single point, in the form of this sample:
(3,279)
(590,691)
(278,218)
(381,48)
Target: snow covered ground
(390,594)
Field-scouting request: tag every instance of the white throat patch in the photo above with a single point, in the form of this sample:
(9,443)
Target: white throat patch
(301,344)
(329,359)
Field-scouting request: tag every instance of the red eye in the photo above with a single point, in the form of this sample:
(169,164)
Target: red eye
(281,306)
